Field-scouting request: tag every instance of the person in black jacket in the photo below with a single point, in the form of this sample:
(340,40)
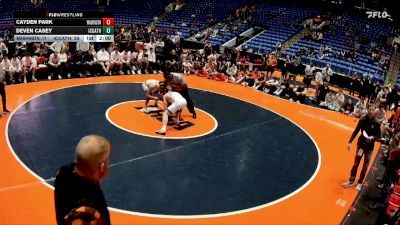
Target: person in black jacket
(322,92)
(370,132)
(78,196)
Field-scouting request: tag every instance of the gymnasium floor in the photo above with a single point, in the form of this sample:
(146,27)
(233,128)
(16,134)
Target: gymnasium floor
(249,158)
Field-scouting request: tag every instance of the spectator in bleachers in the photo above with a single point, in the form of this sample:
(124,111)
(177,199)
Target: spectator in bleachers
(64,66)
(357,46)
(251,80)
(272,85)
(283,88)
(207,49)
(299,94)
(370,90)
(143,62)
(329,100)
(16,69)
(308,74)
(286,67)
(89,63)
(80,64)
(3,48)
(326,49)
(360,109)
(294,68)
(54,66)
(2,89)
(172,61)
(352,84)
(43,50)
(363,89)
(126,58)
(308,23)
(338,101)
(321,92)
(103,57)
(56,47)
(380,113)
(375,90)
(231,72)
(209,70)
(42,62)
(353,56)
(272,62)
(278,47)
(382,97)
(82,46)
(242,75)
(93,51)
(35,47)
(134,63)
(348,107)
(318,36)
(20,48)
(28,67)
(8,36)
(66,45)
(261,82)
(327,72)
(116,61)
(319,79)
(7,69)
(159,45)
(384,61)
(222,63)
(197,62)
(308,35)
(111,48)
(374,56)
(187,62)
(213,58)
(152,58)
(393,98)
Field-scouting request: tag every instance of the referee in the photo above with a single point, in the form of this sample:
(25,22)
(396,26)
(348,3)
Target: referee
(2,88)
(179,85)
(370,132)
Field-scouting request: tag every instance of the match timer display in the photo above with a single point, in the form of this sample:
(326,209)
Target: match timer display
(56,26)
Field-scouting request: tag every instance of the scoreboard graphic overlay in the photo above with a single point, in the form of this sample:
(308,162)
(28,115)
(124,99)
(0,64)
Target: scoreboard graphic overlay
(71,27)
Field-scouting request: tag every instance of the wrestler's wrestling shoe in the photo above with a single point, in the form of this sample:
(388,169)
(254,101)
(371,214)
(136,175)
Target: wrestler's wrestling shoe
(162,132)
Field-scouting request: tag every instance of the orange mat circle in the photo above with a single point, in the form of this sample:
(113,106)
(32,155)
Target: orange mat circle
(130,117)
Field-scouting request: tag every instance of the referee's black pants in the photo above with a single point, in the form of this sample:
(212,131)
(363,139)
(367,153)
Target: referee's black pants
(185,93)
(367,158)
(3,95)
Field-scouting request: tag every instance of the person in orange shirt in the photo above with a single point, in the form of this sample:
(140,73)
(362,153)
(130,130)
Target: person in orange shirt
(272,62)
(240,75)
(261,81)
(220,77)
(395,121)
(251,78)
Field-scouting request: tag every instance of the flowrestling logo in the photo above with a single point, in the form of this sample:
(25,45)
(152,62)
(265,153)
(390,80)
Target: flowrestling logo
(379,15)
